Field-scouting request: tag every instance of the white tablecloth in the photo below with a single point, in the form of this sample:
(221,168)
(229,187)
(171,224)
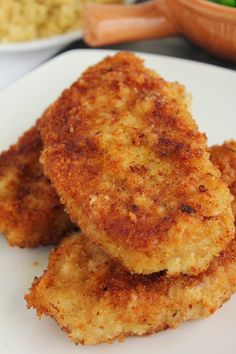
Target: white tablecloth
(15,65)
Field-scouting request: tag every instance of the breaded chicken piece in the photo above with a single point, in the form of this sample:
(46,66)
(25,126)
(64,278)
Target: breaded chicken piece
(30,211)
(126,158)
(224,157)
(95,300)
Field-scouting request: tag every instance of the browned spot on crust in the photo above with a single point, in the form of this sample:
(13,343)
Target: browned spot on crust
(187,209)
(202,189)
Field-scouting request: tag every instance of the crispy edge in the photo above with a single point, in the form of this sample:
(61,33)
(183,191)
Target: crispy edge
(224,157)
(30,211)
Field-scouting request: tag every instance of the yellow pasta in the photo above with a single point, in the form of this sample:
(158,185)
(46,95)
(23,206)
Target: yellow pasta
(25,20)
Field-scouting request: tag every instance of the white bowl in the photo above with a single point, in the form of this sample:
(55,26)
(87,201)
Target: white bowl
(39,44)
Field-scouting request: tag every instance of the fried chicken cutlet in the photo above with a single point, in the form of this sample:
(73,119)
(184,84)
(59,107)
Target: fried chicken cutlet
(95,300)
(132,169)
(224,157)
(30,210)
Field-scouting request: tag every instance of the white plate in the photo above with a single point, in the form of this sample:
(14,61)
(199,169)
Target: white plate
(214,108)
(39,44)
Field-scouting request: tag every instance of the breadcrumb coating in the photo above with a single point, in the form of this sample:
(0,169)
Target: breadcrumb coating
(95,300)
(132,169)
(224,157)
(30,211)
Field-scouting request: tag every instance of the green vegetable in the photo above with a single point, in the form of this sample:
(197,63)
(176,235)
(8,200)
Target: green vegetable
(231,3)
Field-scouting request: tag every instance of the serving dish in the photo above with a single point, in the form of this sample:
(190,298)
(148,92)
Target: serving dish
(209,25)
(214,109)
(56,42)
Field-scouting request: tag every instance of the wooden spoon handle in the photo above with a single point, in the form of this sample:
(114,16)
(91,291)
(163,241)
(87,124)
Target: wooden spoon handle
(107,24)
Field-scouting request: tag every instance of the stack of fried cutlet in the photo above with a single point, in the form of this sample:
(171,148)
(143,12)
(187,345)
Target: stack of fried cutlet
(124,156)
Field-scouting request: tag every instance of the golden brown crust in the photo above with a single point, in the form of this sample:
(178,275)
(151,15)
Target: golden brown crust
(30,211)
(94,299)
(224,157)
(127,160)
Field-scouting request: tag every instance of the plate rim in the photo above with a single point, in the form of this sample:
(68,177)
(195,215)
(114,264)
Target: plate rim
(39,44)
(107,52)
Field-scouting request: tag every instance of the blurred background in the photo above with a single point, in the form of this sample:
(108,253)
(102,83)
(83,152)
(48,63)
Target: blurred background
(33,31)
